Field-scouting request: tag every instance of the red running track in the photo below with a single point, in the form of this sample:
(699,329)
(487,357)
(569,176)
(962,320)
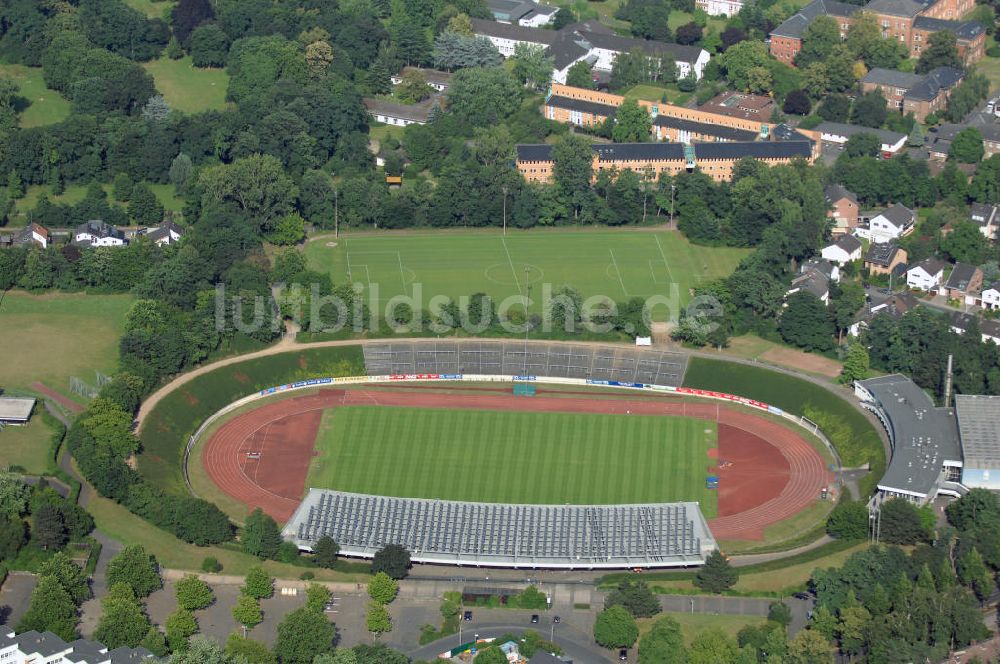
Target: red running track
(767,472)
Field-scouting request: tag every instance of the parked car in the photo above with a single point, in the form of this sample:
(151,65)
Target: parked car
(802,596)
(556,619)
(534,618)
(467,616)
(623,654)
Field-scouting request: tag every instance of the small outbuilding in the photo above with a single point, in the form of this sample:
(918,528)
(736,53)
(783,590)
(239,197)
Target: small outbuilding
(15,410)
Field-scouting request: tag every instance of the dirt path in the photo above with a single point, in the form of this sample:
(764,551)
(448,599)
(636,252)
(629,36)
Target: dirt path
(63,401)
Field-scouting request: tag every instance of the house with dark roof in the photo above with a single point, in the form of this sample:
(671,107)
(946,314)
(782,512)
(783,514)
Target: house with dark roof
(32,234)
(891,224)
(843,210)
(844,249)
(908,21)
(522,12)
(587,41)
(989,329)
(399,115)
(813,280)
(890,142)
(882,304)
(913,93)
(926,275)
(165,234)
(885,258)
(940,138)
(965,284)
(96,233)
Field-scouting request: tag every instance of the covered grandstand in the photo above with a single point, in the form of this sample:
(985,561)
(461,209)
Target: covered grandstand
(502,535)
(926,454)
(514,358)
(979,430)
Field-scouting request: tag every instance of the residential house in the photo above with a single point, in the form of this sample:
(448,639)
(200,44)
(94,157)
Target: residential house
(741,105)
(845,249)
(926,275)
(910,21)
(844,210)
(520,12)
(589,41)
(989,330)
(939,139)
(913,93)
(33,234)
(891,224)
(720,7)
(885,258)
(990,298)
(399,115)
(165,234)
(986,217)
(439,80)
(811,281)
(47,648)
(96,233)
(890,142)
(827,268)
(882,303)
(964,284)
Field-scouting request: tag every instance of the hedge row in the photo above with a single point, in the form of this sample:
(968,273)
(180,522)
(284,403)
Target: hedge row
(179,414)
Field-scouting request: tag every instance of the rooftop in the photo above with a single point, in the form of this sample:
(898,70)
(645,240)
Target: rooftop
(796,25)
(847,130)
(908,8)
(813,282)
(923,436)
(582,105)
(705,128)
(931,266)
(892,77)
(979,429)
(740,105)
(881,253)
(835,192)
(898,214)
(415,112)
(757,150)
(961,276)
(16,409)
(433,76)
(848,243)
(934,83)
(964,30)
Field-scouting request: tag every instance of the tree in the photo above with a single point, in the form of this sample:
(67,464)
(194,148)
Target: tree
(848,520)
(393,559)
(180,625)
(317,597)
(247,611)
(14,494)
(689,33)
(806,323)
(941,51)
(188,15)
(636,597)
(209,46)
(484,96)
(51,609)
(156,109)
(967,146)
(615,628)
(490,655)
(797,103)
(382,588)
(964,243)
(155,642)
(202,650)
(254,652)
(780,613)
(302,635)
(985,186)
(258,583)
(143,207)
(818,41)
(136,568)
(900,523)
(122,622)
(864,144)
(835,108)
(122,187)
(809,647)
(712,646)
(979,507)
(193,593)
(663,644)
(972,572)
(572,164)
(741,59)
(378,621)
(257,185)
(48,529)
(460,24)
(856,364)
(532,65)
(869,110)
(12,536)
(413,87)
(69,575)
(325,552)
(716,574)
(580,75)
(632,123)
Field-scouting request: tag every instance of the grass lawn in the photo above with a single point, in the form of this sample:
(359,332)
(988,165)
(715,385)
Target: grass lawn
(649,92)
(693,624)
(618,264)
(26,446)
(380,132)
(167,196)
(44,106)
(188,88)
(990,67)
(151,8)
(515,457)
(173,553)
(55,336)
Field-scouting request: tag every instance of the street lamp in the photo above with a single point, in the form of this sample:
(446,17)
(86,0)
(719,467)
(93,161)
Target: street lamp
(504,209)
(673,188)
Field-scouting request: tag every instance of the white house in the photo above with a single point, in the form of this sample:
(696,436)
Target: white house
(96,233)
(720,7)
(986,217)
(399,115)
(845,249)
(890,142)
(891,224)
(47,648)
(814,282)
(437,79)
(33,234)
(926,275)
(828,269)
(991,296)
(989,330)
(164,234)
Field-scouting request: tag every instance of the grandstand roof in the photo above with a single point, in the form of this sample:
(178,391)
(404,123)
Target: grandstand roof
(14,409)
(979,429)
(501,535)
(517,358)
(924,437)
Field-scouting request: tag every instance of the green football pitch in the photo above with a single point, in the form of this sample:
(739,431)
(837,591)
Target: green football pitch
(514,457)
(619,264)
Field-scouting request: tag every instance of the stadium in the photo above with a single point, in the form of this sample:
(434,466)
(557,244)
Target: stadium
(514,454)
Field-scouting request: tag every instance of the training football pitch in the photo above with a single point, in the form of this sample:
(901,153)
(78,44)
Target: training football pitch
(619,264)
(514,457)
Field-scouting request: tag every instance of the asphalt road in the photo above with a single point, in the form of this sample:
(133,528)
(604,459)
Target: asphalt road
(580,653)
